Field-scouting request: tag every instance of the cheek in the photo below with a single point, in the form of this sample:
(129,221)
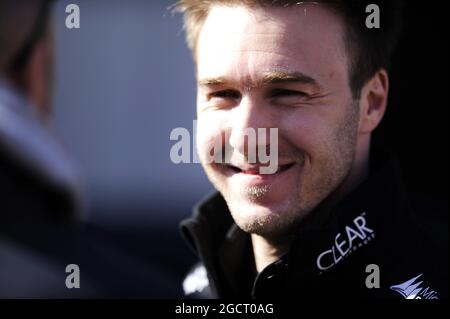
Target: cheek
(308,131)
(209,132)
(320,134)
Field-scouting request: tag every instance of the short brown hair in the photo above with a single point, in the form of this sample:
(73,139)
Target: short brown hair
(369,50)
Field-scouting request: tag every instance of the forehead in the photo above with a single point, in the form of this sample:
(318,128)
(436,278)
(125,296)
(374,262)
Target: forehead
(246,42)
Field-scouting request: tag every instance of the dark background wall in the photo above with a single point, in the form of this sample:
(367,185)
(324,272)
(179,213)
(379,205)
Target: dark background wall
(125,80)
(416,123)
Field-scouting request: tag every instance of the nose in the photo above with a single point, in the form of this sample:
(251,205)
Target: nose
(249,125)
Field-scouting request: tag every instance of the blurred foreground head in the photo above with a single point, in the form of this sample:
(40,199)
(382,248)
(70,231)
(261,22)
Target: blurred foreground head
(26,50)
(39,181)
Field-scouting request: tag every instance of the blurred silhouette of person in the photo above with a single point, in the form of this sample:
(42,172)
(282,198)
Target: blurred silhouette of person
(38,182)
(41,199)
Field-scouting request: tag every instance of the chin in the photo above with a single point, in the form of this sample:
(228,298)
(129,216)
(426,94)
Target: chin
(266,221)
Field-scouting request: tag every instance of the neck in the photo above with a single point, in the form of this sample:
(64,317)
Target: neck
(267,251)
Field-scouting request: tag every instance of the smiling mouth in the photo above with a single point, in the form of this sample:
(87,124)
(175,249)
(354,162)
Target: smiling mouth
(255,170)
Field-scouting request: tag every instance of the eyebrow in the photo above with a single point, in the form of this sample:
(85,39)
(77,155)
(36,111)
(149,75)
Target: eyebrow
(277,77)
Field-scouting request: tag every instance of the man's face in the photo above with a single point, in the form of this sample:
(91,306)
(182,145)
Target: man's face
(283,68)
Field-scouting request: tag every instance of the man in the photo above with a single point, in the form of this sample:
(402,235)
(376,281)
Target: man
(333,220)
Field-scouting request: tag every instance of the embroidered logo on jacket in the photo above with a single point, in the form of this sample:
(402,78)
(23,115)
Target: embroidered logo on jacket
(346,242)
(412,290)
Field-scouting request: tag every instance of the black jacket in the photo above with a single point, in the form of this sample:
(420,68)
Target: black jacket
(374,230)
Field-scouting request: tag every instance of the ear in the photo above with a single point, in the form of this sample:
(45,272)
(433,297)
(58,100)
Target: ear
(374,96)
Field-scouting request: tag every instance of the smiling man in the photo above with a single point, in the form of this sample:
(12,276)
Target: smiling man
(314,72)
